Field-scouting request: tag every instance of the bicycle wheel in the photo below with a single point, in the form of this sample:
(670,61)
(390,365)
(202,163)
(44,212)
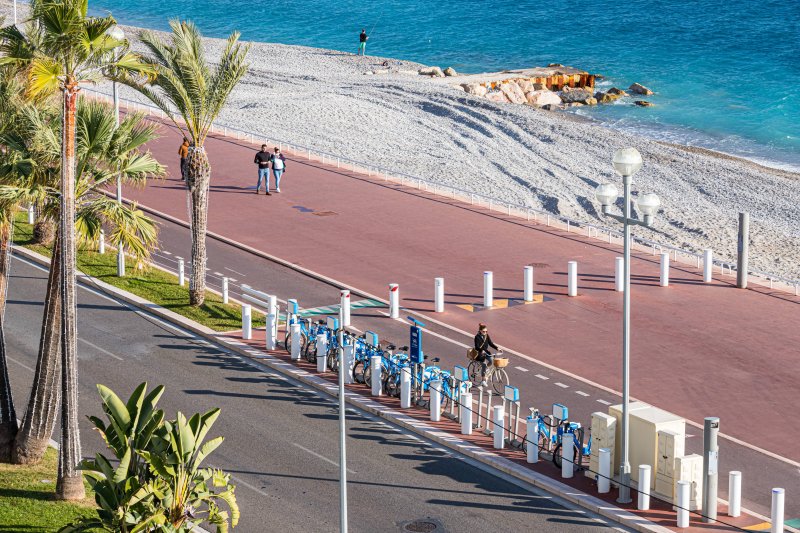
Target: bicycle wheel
(287,342)
(474,371)
(557,452)
(392,385)
(358,372)
(311,352)
(499,380)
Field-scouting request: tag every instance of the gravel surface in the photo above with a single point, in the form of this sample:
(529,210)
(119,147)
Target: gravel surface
(333,101)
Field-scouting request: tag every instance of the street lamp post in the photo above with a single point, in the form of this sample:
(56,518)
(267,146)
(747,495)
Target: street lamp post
(119,35)
(626,162)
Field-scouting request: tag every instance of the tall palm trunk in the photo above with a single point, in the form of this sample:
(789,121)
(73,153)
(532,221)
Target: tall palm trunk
(42,412)
(8,417)
(198,172)
(69,485)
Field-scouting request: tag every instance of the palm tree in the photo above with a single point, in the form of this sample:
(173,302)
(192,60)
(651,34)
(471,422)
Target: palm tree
(198,92)
(72,49)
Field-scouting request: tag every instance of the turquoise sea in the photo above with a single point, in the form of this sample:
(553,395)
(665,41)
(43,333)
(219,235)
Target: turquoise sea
(726,72)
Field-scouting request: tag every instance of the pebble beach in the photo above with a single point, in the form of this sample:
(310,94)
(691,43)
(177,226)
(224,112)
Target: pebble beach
(333,101)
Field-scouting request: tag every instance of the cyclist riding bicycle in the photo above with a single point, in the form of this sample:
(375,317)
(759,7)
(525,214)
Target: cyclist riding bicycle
(482,344)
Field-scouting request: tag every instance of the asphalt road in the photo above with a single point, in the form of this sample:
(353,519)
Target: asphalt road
(539,385)
(281,439)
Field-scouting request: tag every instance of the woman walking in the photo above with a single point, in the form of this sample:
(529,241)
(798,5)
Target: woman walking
(278,167)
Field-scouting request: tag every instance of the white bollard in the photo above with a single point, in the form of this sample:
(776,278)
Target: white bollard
(438,295)
(734,493)
(644,488)
(322,353)
(567,466)
(375,368)
(778,500)
(349,353)
(225,290)
(295,332)
(572,278)
(604,477)
(683,503)
(465,413)
(181,275)
(527,275)
(270,332)
(394,300)
(344,298)
(533,441)
(247,322)
(273,310)
(101,247)
(435,391)
(665,269)
(31,217)
(488,289)
(619,274)
(708,264)
(405,387)
(499,427)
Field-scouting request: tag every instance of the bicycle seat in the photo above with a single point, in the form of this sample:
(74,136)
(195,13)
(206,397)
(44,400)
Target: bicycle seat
(391,347)
(436,359)
(404,349)
(425,357)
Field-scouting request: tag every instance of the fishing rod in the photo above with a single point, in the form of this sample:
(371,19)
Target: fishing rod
(376,24)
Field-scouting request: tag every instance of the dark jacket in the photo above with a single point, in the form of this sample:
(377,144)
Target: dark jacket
(483,342)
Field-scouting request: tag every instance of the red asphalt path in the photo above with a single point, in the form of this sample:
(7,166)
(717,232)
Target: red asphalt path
(697,349)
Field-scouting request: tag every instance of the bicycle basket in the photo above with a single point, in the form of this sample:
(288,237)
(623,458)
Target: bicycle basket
(501,362)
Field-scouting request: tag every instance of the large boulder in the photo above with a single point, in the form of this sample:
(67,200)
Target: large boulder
(540,87)
(618,92)
(525,85)
(543,98)
(497,96)
(644,103)
(638,88)
(577,95)
(513,93)
(606,97)
(553,107)
(434,72)
(450,71)
(475,88)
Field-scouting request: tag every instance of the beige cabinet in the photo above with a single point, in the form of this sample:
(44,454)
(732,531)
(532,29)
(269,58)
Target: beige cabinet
(604,429)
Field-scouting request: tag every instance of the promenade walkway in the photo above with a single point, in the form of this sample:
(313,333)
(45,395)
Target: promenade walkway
(697,349)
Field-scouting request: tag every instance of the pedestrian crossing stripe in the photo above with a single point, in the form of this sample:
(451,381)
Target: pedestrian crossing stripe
(504,303)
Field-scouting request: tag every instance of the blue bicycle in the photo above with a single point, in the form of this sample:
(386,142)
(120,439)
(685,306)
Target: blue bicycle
(571,433)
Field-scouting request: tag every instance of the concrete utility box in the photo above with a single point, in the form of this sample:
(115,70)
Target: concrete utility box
(690,468)
(645,423)
(671,445)
(616,412)
(603,436)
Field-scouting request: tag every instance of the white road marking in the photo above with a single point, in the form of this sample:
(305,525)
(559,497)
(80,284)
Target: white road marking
(23,365)
(235,272)
(559,384)
(101,350)
(581,393)
(604,402)
(521,369)
(220,274)
(541,376)
(166,252)
(318,456)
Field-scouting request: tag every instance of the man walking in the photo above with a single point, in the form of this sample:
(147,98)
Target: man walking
(183,152)
(362,43)
(262,160)
(278,167)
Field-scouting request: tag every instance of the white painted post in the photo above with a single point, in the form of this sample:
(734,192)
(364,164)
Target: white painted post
(394,300)
(465,413)
(533,440)
(499,427)
(683,503)
(734,493)
(349,353)
(405,387)
(665,269)
(322,353)
(644,488)
(488,289)
(435,390)
(619,272)
(438,295)
(181,275)
(31,218)
(344,297)
(778,500)
(295,353)
(247,322)
(225,290)
(271,338)
(572,278)
(272,310)
(102,245)
(604,477)
(528,283)
(567,466)
(375,368)
(708,264)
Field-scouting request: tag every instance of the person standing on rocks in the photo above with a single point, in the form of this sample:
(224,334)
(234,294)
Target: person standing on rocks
(362,42)
(278,168)
(183,153)
(262,160)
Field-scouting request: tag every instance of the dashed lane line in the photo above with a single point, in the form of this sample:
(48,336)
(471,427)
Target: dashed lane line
(101,350)
(580,392)
(236,272)
(559,384)
(318,456)
(521,369)
(541,376)
(604,402)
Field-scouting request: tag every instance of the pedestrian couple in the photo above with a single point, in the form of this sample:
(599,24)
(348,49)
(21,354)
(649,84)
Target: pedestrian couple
(264,159)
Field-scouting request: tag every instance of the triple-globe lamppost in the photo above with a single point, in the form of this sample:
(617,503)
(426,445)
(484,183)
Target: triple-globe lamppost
(627,162)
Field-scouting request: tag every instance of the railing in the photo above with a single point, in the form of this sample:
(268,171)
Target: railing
(456,193)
